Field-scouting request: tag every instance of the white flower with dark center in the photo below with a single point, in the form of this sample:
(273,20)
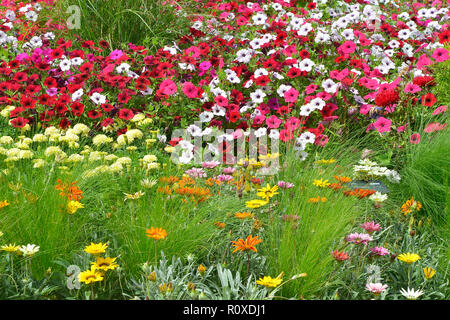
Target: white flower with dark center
(259,18)
(194,130)
(307,137)
(206,116)
(306,110)
(317,103)
(306,65)
(218,111)
(65,65)
(98,98)
(329,86)
(257,96)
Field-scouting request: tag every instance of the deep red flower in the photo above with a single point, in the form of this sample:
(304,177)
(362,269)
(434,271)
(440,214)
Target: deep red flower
(126,114)
(386,98)
(19,122)
(428,99)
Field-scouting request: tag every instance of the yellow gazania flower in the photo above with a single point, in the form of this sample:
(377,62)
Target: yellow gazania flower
(104,264)
(10,248)
(267,192)
(408,257)
(73,206)
(96,249)
(90,276)
(257,203)
(429,272)
(134,196)
(4,203)
(325,161)
(243,215)
(321,183)
(201,268)
(269,282)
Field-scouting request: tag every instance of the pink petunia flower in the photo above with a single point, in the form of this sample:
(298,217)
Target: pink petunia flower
(273,122)
(291,95)
(415,138)
(412,88)
(440,55)
(382,125)
(190,90)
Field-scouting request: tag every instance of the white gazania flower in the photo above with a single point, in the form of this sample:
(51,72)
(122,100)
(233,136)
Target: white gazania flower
(411,294)
(378,197)
(29,249)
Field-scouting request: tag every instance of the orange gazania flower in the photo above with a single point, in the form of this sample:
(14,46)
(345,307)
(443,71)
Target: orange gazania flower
(243,215)
(219,224)
(360,193)
(335,186)
(169,180)
(247,244)
(156,233)
(164,190)
(317,199)
(340,255)
(411,205)
(342,179)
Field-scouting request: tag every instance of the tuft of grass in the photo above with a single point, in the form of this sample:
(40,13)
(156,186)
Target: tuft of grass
(142,22)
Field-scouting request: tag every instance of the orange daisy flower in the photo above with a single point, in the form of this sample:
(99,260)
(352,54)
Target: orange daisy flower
(342,179)
(156,233)
(247,244)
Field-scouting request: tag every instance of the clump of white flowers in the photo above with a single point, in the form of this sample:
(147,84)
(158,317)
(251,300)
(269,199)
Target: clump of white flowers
(368,170)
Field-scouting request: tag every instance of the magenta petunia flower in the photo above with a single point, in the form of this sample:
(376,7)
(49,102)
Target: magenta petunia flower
(382,125)
(116,54)
(440,55)
(291,95)
(273,122)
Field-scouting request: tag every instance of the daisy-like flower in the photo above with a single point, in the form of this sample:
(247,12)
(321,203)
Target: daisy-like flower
(96,248)
(376,288)
(156,233)
(285,185)
(104,264)
(379,251)
(247,244)
(134,196)
(90,276)
(10,248)
(429,272)
(408,257)
(29,250)
(148,183)
(411,294)
(321,183)
(358,238)
(378,197)
(340,255)
(269,282)
(4,203)
(255,204)
(371,227)
(243,215)
(410,206)
(267,192)
(73,206)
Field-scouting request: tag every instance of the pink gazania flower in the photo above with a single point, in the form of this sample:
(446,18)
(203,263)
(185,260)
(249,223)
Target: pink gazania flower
(285,185)
(412,88)
(371,227)
(415,138)
(376,288)
(229,170)
(223,177)
(196,173)
(291,95)
(439,110)
(273,122)
(210,164)
(382,125)
(379,251)
(440,55)
(358,238)
(190,90)
(435,126)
